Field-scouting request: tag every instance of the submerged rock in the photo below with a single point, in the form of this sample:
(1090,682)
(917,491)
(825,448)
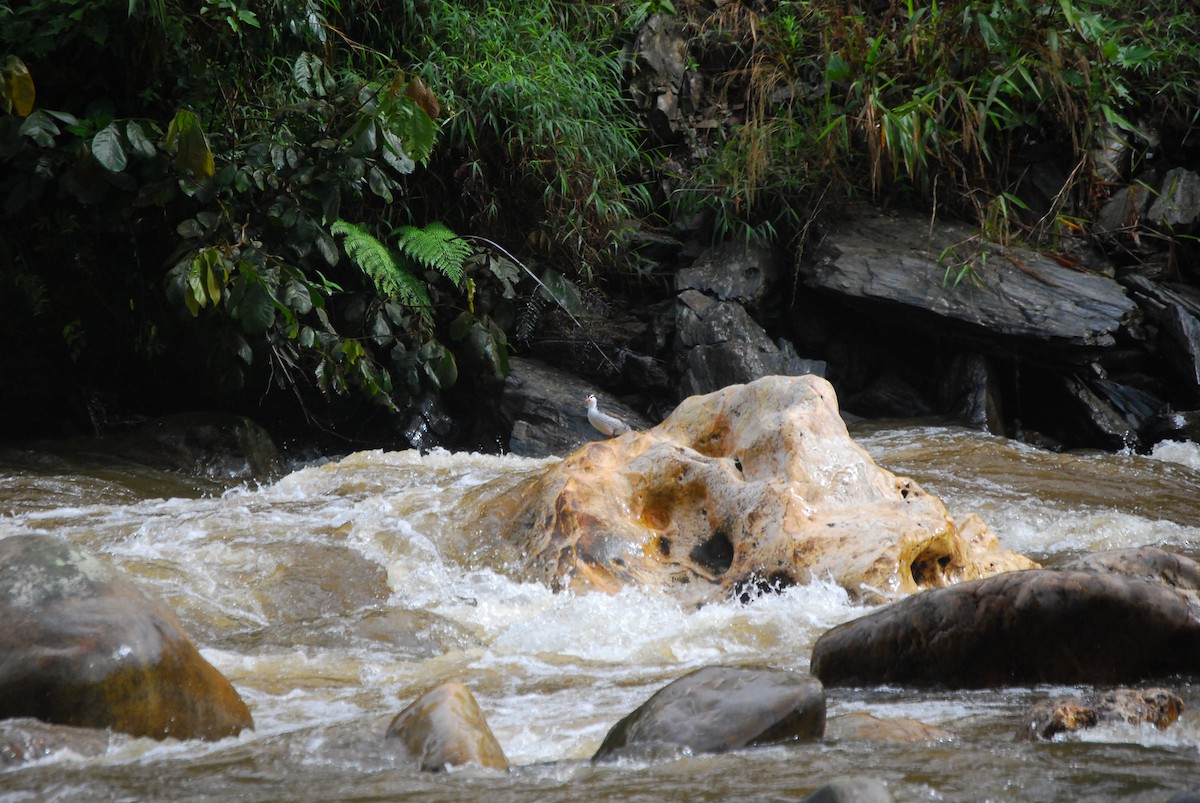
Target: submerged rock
(861,726)
(755,486)
(1041,626)
(81,645)
(720,708)
(24,740)
(1049,718)
(851,790)
(445,728)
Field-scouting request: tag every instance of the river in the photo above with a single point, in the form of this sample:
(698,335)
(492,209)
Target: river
(333,596)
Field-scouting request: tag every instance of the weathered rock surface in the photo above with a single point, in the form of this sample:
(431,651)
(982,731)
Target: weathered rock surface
(445,728)
(755,485)
(721,345)
(214,445)
(902,260)
(1049,718)
(1040,626)
(543,409)
(1155,565)
(24,740)
(720,708)
(81,645)
(851,790)
(861,726)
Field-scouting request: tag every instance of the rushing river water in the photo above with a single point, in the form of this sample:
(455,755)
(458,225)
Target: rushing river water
(333,596)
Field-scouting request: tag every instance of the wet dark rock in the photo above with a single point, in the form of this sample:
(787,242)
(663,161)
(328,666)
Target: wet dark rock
(543,408)
(970,392)
(717,709)
(1012,291)
(445,728)
(25,740)
(721,345)
(1177,202)
(732,272)
(861,726)
(83,646)
(1155,565)
(1018,628)
(213,445)
(851,790)
(1050,718)
(429,425)
(1113,428)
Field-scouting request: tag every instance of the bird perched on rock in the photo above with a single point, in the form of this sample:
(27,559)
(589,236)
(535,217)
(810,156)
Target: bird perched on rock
(610,426)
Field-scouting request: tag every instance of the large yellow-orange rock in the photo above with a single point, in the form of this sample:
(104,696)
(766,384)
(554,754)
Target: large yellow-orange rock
(753,486)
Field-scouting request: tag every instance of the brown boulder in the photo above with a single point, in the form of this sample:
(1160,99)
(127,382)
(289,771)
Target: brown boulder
(863,727)
(445,728)
(1049,718)
(756,485)
(1019,628)
(720,708)
(81,645)
(1149,563)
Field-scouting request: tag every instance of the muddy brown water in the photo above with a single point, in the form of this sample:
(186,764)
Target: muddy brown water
(334,596)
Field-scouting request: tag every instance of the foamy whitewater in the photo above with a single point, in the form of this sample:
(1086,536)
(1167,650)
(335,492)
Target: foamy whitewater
(334,596)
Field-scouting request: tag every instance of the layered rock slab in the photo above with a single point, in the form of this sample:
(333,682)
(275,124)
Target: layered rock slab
(753,486)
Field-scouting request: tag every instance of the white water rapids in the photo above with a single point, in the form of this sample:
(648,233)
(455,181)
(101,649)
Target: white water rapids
(334,596)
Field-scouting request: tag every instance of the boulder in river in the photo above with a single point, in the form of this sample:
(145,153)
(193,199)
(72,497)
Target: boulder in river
(1049,718)
(717,709)
(1019,628)
(445,728)
(81,645)
(752,487)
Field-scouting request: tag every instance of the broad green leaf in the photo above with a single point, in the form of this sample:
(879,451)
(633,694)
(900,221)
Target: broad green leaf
(379,184)
(296,296)
(138,140)
(255,309)
(40,128)
(107,148)
(185,137)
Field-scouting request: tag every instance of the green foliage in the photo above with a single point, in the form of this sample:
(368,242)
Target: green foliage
(934,101)
(374,259)
(542,139)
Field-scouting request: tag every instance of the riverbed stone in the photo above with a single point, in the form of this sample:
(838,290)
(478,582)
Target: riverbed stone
(1153,564)
(82,645)
(859,789)
(755,486)
(861,726)
(717,709)
(445,728)
(1050,718)
(24,740)
(1018,628)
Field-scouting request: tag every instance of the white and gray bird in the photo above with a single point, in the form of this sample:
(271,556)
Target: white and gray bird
(610,426)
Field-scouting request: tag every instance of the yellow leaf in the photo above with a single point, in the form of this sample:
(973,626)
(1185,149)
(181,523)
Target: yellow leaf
(16,87)
(185,137)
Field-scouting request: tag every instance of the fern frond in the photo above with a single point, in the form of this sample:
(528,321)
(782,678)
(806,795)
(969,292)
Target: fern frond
(375,260)
(436,246)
